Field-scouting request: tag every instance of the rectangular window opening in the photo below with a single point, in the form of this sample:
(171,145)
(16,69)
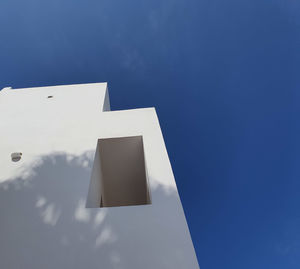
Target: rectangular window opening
(119,176)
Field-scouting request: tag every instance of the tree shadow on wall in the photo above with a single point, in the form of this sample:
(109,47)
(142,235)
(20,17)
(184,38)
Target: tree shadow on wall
(44,224)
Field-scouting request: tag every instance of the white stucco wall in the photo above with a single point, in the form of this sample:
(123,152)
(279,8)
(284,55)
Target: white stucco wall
(44,219)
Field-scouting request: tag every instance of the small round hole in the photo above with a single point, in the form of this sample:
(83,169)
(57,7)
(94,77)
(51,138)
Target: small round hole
(16,156)
(50,96)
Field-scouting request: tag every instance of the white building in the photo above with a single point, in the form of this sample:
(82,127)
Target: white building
(85,187)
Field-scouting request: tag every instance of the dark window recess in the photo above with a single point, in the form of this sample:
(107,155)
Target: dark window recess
(119,176)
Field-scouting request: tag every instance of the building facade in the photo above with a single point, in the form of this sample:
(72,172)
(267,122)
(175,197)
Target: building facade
(85,187)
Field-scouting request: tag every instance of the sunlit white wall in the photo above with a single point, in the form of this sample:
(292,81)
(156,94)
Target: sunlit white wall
(43,196)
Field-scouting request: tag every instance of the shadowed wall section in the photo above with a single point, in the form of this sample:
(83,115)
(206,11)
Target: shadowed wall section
(44,224)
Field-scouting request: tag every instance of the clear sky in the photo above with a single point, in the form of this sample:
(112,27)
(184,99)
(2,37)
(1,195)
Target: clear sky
(224,77)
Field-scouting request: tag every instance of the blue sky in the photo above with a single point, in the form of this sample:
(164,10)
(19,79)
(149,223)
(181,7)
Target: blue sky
(224,77)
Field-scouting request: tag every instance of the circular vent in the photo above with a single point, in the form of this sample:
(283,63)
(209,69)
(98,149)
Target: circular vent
(16,156)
